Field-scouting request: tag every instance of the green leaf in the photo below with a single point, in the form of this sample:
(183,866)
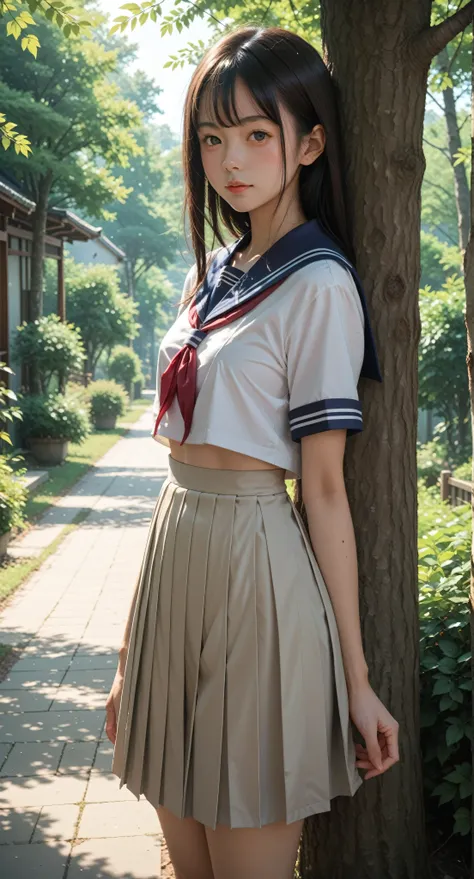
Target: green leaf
(442,685)
(448,647)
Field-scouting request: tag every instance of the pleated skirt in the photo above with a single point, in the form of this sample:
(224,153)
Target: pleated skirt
(234,706)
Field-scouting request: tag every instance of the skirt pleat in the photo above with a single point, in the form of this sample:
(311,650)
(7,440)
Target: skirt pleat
(234,705)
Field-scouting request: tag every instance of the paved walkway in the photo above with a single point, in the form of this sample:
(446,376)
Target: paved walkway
(62,815)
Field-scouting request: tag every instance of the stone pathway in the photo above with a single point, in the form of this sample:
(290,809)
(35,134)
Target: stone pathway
(62,815)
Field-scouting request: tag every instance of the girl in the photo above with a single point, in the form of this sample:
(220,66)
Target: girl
(242,665)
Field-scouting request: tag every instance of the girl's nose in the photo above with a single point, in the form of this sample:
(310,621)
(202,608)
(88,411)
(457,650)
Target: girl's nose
(230,163)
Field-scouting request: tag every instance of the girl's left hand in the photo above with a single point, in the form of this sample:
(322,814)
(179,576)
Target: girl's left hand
(379,729)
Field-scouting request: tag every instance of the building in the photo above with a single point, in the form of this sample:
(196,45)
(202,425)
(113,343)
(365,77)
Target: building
(16,236)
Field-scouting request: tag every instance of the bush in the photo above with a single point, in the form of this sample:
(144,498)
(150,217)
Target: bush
(107,398)
(13,496)
(54,416)
(138,386)
(8,413)
(464,471)
(446,734)
(52,347)
(124,366)
(431,458)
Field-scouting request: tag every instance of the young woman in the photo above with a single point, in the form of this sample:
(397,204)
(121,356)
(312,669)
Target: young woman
(242,665)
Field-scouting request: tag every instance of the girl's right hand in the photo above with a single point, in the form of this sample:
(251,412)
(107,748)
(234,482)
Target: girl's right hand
(112,706)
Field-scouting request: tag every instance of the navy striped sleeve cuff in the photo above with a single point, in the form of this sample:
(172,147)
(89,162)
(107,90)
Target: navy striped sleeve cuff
(330,414)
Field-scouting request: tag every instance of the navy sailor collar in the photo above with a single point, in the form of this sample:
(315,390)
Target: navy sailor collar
(226,287)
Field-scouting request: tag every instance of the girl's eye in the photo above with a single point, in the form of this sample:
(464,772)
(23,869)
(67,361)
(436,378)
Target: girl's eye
(211,137)
(259,136)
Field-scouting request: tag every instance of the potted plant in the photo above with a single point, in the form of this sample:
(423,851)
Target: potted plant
(50,423)
(13,496)
(107,400)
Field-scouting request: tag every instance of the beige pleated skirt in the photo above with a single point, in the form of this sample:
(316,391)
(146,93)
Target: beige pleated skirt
(234,707)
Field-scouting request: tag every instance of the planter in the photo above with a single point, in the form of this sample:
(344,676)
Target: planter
(49,451)
(4,541)
(105,422)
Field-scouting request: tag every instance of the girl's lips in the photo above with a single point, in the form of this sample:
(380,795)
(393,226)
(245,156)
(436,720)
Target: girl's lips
(238,187)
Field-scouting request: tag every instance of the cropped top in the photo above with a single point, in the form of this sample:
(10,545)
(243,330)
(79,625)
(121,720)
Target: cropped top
(288,368)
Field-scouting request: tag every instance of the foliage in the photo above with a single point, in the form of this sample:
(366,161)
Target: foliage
(107,398)
(52,347)
(18,20)
(443,384)
(431,458)
(444,576)
(13,494)
(438,261)
(124,366)
(54,416)
(104,315)
(7,412)
(80,127)
(464,471)
(138,386)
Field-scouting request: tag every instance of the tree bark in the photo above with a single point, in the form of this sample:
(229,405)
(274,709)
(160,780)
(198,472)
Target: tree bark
(382,87)
(469,285)
(461,188)
(38,246)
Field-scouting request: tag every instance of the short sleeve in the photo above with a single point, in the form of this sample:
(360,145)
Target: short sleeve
(325,352)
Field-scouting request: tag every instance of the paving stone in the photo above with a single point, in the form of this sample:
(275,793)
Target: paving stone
(74,698)
(27,700)
(104,787)
(103,757)
(77,756)
(17,825)
(4,752)
(45,726)
(32,758)
(92,679)
(56,822)
(118,819)
(42,790)
(42,861)
(129,858)
(51,662)
(94,662)
(17,679)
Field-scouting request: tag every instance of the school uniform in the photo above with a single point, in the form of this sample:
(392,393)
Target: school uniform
(234,707)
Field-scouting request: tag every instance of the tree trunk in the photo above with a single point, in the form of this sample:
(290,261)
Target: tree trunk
(380,834)
(469,285)
(38,246)
(454,144)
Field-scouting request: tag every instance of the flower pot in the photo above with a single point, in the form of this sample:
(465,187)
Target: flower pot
(4,541)
(105,422)
(49,451)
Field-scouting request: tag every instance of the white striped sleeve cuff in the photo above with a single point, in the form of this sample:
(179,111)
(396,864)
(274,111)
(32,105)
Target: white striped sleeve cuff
(330,414)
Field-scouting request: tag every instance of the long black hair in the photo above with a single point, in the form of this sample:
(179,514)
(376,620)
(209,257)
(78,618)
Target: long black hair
(277,67)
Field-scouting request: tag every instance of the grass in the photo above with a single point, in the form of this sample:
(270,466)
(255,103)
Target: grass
(80,458)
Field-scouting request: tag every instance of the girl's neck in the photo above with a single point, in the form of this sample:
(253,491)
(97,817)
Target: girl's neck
(268,226)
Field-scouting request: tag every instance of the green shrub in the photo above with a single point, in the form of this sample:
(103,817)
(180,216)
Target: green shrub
(124,366)
(431,458)
(8,413)
(54,416)
(13,495)
(52,347)
(107,398)
(445,675)
(464,471)
(138,386)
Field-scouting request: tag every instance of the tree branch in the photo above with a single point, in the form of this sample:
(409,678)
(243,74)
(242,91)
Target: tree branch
(438,186)
(435,146)
(427,44)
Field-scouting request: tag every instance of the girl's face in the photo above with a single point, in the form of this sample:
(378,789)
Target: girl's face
(244,163)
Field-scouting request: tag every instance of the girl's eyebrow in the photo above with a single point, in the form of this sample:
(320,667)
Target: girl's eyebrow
(242,121)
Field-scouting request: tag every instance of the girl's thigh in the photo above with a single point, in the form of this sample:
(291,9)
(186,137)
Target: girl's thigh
(267,852)
(187,845)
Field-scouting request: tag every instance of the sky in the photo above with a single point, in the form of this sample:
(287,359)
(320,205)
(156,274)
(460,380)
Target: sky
(154,51)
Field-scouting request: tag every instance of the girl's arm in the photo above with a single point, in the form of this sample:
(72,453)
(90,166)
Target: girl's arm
(332,537)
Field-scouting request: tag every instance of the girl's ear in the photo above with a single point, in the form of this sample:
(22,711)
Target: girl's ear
(312,145)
